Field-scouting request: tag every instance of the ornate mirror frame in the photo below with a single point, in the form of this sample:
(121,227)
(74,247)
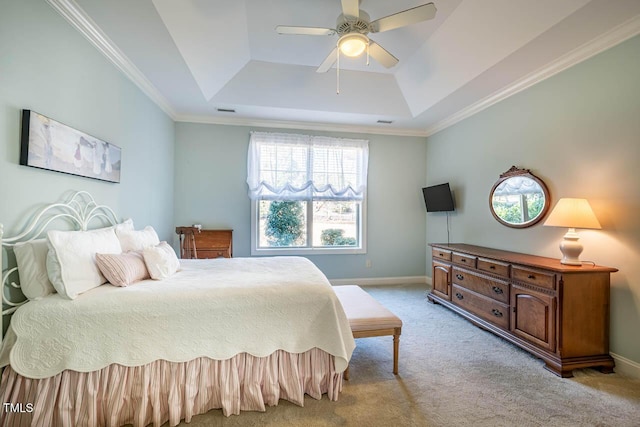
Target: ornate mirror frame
(514,174)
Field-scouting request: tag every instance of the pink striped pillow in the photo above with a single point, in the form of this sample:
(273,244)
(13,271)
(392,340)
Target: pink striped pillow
(122,269)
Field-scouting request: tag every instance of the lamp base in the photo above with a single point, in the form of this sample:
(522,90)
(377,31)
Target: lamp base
(571,248)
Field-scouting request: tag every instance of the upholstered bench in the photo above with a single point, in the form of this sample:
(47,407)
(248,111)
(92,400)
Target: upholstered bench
(368,318)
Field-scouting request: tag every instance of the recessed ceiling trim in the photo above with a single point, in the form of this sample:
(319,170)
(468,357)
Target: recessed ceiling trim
(78,18)
(74,14)
(601,43)
(327,127)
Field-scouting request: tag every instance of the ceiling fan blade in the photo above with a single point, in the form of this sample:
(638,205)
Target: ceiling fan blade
(402,19)
(381,55)
(306,31)
(328,62)
(351,8)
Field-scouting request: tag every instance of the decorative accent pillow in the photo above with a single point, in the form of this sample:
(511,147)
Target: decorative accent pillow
(31,258)
(137,240)
(71,261)
(122,269)
(161,261)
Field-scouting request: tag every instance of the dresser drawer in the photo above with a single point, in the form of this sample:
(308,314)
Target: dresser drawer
(495,289)
(493,266)
(214,253)
(486,308)
(442,254)
(207,243)
(534,277)
(464,259)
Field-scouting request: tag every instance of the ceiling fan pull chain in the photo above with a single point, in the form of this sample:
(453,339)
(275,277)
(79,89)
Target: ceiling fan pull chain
(338,73)
(368,44)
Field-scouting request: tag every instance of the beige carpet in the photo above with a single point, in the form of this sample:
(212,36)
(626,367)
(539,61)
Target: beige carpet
(451,374)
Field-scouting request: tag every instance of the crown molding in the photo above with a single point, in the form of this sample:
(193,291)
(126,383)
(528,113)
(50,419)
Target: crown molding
(326,127)
(77,17)
(601,43)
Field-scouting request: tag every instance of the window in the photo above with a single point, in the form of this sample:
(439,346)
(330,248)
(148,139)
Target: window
(307,193)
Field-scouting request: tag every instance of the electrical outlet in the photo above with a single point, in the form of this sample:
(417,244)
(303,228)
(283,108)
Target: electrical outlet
(368,263)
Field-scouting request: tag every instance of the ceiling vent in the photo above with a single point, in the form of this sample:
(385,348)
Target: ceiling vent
(226,110)
(385,122)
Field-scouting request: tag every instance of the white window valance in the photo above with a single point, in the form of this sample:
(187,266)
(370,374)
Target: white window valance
(305,167)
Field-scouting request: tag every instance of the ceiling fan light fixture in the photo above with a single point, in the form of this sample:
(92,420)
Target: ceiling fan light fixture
(353,44)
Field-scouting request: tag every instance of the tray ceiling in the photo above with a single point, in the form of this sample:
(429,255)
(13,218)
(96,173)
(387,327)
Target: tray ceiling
(195,57)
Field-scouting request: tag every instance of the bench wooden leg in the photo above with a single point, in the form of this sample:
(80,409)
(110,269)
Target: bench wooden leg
(345,375)
(396,347)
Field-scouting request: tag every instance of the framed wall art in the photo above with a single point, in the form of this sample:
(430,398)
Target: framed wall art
(48,144)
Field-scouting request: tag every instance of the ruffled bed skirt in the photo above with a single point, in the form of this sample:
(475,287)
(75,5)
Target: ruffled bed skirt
(166,391)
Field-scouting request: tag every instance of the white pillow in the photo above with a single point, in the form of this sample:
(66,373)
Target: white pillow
(161,261)
(71,263)
(137,240)
(127,224)
(31,258)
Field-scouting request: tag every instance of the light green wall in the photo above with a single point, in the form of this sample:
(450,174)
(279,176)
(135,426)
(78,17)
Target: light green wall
(49,67)
(580,132)
(211,189)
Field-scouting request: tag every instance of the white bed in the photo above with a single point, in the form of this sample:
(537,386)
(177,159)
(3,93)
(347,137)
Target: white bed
(235,334)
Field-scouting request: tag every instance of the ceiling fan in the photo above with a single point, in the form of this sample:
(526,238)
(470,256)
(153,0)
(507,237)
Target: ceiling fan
(353,26)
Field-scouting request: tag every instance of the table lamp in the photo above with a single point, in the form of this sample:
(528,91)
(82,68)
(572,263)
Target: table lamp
(572,213)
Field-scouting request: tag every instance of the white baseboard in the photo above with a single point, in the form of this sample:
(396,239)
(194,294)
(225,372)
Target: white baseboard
(378,281)
(626,367)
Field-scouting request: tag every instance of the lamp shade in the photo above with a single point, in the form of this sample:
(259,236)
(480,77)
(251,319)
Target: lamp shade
(572,213)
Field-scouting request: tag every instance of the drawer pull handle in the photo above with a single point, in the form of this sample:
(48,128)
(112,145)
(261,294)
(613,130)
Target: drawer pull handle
(531,276)
(441,254)
(492,267)
(497,290)
(496,312)
(463,260)
(459,276)
(459,295)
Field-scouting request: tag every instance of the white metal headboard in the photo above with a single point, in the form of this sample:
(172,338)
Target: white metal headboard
(78,211)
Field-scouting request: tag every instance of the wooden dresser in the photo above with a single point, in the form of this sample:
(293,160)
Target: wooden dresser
(557,312)
(210,244)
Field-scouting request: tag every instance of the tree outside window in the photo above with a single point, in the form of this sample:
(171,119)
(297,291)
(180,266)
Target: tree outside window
(284,224)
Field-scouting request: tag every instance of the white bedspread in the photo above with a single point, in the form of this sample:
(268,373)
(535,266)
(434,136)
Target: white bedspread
(214,308)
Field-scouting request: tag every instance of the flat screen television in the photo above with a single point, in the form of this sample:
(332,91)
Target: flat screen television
(438,198)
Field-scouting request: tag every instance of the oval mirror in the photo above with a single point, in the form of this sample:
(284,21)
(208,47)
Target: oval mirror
(519,199)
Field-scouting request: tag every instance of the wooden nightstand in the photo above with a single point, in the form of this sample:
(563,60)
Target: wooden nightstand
(206,243)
